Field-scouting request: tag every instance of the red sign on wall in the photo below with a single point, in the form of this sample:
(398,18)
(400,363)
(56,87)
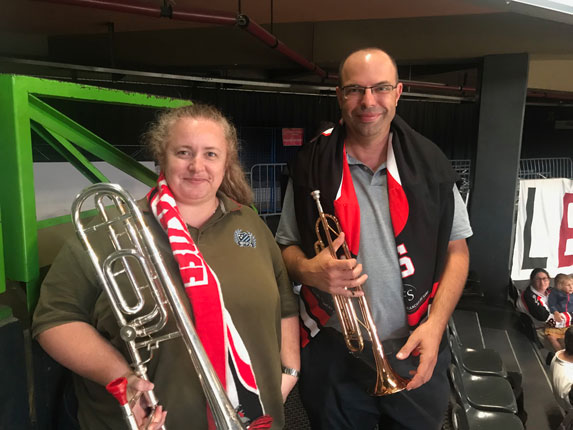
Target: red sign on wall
(293,136)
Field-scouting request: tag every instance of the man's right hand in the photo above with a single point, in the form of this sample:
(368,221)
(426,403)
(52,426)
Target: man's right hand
(332,275)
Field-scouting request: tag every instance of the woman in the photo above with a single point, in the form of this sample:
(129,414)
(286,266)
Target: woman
(202,189)
(533,301)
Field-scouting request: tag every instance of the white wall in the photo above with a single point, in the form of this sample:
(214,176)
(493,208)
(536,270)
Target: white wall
(57,184)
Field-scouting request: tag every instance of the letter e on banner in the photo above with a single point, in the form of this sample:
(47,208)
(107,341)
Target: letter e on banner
(566,232)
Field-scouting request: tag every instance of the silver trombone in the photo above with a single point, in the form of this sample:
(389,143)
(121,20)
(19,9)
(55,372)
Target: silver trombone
(135,253)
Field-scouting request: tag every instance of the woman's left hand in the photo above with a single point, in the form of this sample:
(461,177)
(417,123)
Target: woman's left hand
(287,384)
(140,409)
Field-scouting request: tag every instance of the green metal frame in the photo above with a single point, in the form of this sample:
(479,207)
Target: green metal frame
(2,273)
(23,108)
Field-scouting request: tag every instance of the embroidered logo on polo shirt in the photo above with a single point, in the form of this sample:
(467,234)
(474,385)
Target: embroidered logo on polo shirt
(245,238)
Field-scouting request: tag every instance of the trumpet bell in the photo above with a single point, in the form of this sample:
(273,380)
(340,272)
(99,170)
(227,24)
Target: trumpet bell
(387,381)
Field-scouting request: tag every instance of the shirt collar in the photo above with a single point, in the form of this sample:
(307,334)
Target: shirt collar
(354,162)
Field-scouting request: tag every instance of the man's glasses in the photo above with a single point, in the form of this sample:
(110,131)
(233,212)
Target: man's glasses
(358,91)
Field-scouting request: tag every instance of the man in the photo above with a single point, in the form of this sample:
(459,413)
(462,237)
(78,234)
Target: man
(392,191)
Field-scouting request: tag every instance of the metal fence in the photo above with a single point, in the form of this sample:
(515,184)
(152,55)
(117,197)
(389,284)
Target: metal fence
(545,168)
(266,184)
(463,168)
(266,179)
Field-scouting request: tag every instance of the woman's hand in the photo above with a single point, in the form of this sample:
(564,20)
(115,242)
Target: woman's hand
(136,387)
(558,316)
(287,384)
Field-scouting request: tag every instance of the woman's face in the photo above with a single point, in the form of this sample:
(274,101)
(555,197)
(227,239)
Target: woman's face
(195,157)
(541,282)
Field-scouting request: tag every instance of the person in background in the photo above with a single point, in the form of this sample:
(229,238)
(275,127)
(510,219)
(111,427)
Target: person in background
(240,296)
(562,372)
(533,301)
(405,223)
(558,303)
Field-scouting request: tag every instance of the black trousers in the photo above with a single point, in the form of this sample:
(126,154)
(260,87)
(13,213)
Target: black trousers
(334,390)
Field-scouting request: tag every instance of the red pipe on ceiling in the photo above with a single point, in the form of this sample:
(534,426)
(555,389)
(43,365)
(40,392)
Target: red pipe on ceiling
(205,17)
(550,94)
(128,6)
(271,41)
(247,24)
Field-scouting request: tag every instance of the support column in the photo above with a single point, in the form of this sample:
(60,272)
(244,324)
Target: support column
(492,202)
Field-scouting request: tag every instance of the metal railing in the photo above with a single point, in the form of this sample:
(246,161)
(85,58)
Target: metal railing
(463,168)
(266,184)
(545,168)
(265,179)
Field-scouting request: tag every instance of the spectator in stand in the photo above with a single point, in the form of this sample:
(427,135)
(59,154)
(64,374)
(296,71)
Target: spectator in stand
(562,372)
(558,303)
(533,301)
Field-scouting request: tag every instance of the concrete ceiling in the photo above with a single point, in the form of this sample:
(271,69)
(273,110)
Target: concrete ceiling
(439,40)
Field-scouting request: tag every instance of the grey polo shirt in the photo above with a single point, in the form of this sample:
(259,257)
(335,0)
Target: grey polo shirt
(377,252)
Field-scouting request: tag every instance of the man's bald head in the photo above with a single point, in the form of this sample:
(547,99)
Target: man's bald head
(363,51)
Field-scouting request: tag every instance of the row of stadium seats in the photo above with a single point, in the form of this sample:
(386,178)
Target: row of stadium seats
(484,396)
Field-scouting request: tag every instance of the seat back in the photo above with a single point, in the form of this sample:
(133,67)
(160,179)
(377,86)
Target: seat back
(459,418)
(453,330)
(458,386)
(513,293)
(455,348)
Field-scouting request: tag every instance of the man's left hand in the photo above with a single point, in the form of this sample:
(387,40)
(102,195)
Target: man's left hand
(425,342)
(287,384)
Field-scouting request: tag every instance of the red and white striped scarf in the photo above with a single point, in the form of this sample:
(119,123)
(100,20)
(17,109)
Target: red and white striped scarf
(214,325)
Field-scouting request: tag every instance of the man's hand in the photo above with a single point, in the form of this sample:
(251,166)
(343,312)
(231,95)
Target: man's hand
(325,272)
(424,341)
(287,384)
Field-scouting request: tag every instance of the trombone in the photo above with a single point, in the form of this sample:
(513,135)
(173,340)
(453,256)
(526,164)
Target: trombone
(387,381)
(135,253)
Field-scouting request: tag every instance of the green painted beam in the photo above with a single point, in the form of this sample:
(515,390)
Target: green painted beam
(2,273)
(63,219)
(73,91)
(57,122)
(70,153)
(17,199)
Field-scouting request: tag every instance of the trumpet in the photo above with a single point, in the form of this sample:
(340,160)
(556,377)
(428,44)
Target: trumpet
(135,256)
(387,381)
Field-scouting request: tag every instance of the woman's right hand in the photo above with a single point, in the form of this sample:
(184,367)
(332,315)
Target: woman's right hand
(558,316)
(136,387)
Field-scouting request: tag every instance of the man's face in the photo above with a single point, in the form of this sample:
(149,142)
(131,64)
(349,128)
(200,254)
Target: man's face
(368,116)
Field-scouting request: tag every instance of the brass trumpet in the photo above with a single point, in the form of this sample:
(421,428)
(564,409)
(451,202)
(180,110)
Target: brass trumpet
(387,381)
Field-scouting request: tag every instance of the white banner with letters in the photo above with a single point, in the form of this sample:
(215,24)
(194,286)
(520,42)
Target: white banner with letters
(544,230)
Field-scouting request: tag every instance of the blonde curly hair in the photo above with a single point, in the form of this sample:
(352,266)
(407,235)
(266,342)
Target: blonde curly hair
(234,183)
